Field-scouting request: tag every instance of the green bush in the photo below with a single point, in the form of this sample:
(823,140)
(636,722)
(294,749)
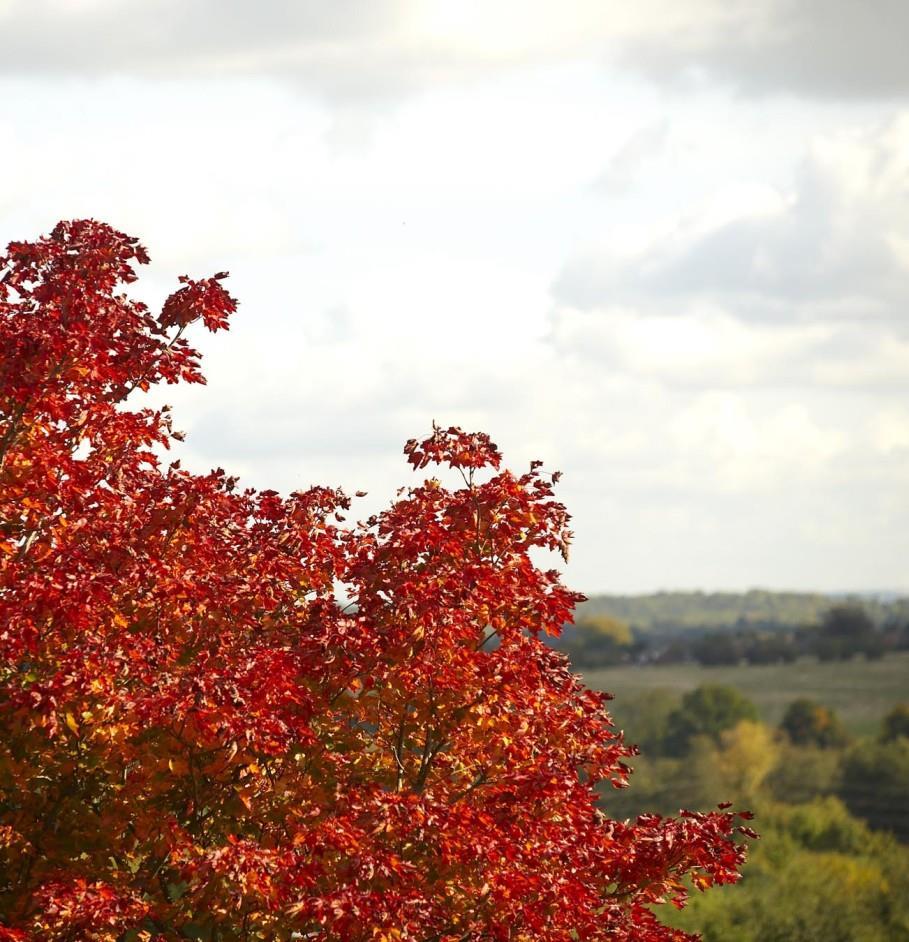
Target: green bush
(705,711)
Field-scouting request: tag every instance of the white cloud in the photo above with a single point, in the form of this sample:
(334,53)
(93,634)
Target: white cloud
(750,351)
(890,430)
(722,384)
(639,149)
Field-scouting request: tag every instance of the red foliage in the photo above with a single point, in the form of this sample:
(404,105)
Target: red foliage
(199,741)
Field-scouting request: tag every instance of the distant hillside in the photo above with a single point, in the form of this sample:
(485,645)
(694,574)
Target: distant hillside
(668,612)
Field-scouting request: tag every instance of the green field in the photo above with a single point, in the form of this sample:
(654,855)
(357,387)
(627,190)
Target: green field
(860,692)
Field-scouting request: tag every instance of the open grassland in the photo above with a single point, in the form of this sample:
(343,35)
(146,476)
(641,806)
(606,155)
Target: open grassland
(860,691)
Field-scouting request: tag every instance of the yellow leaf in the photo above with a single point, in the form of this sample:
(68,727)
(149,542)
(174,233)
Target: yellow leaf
(178,766)
(72,724)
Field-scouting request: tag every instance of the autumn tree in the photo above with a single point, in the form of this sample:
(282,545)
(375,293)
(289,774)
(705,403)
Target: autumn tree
(200,740)
(739,763)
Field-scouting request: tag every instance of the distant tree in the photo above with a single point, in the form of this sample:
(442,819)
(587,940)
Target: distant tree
(770,649)
(804,773)
(705,711)
(643,719)
(875,785)
(896,723)
(847,630)
(596,640)
(874,646)
(675,652)
(848,621)
(717,648)
(807,723)
(605,626)
(738,764)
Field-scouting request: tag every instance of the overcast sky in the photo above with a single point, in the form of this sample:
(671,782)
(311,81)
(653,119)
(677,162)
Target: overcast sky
(661,245)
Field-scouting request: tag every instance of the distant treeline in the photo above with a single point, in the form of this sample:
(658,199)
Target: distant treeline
(680,611)
(832,864)
(710,742)
(757,627)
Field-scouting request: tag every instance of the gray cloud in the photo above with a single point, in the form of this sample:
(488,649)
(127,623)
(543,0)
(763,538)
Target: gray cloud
(824,48)
(836,250)
(136,35)
(353,50)
(337,47)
